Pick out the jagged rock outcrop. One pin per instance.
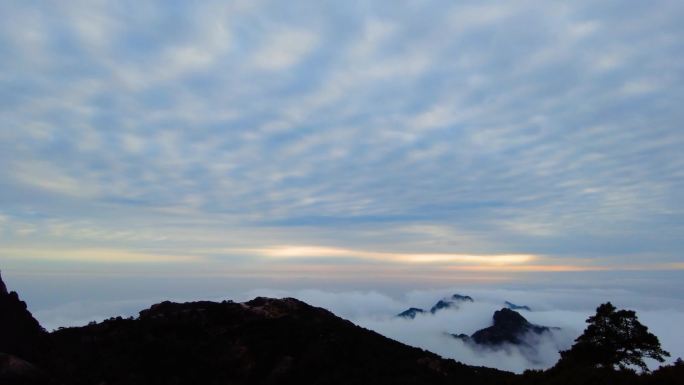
(451, 302)
(508, 327)
(411, 313)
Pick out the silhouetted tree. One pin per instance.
(615, 338)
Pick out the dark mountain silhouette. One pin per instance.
(463, 337)
(444, 303)
(21, 339)
(508, 327)
(263, 341)
(513, 306)
(411, 313)
(20, 334)
(451, 302)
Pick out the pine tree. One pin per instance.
(615, 339)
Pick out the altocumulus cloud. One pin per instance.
(512, 128)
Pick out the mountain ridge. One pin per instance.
(261, 341)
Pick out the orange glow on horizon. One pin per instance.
(303, 252)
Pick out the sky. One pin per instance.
(178, 149)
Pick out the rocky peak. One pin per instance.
(411, 313)
(508, 319)
(509, 327)
(462, 298)
(513, 306)
(450, 302)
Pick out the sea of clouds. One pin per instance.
(566, 309)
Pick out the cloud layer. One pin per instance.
(412, 127)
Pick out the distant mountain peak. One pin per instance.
(462, 298)
(509, 319)
(450, 302)
(513, 306)
(411, 313)
(509, 327)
